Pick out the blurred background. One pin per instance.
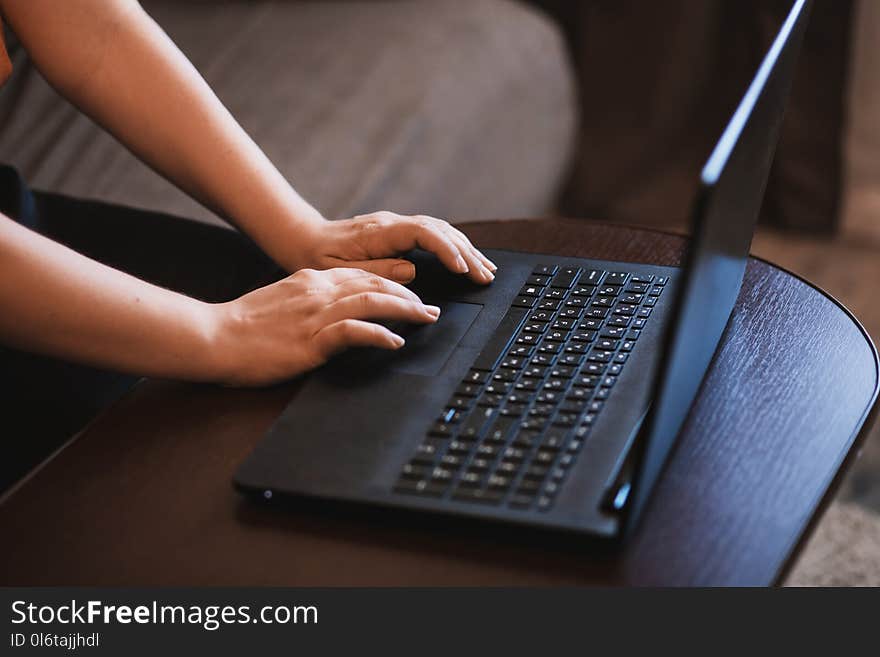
(475, 109)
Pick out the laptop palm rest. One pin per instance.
(345, 435)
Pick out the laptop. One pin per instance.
(553, 398)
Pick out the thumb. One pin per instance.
(395, 269)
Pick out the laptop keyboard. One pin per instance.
(516, 423)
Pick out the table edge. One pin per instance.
(860, 431)
(818, 505)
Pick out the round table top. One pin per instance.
(143, 495)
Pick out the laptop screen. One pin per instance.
(724, 218)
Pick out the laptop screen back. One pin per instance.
(724, 218)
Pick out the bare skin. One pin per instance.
(111, 60)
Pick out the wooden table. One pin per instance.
(143, 496)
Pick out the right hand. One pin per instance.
(294, 325)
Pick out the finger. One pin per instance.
(477, 271)
(396, 269)
(491, 266)
(478, 266)
(409, 233)
(376, 305)
(346, 333)
(373, 283)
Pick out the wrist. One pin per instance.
(300, 245)
(213, 357)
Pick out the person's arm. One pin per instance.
(58, 302)
(112, 60)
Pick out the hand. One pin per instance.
(296, 324)
(371, 241)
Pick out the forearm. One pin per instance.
(58, 302)
(110, 59)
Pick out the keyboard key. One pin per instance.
(414, 471)
(542, 359)
(497, 387)
(590, 324)
(478, 495)
(479, 466)
(524, 302)
(525, 439)
(544, 270)
(531, 291)
(477, 377)
(441, 475)
(639, 288)
(642, 278)
(499, 482)
(541, 316)
(425, 454)
(490, 400)
(616, 278)
(548, 304)
(468, 390)
(498, 432)
(508, 468)
(526, 384)
(441, 430)
(512, 410)
(565, 278)
(520, 501)
(420, 488)
(591, 277)
(458, 447)
(538, 279)
(609, 290)
(536, 472)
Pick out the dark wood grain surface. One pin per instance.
(143, 496)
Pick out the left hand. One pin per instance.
(371, 242)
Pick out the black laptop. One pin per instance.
(553, 397)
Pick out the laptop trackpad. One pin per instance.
(428, 347)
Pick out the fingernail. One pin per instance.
(404, 272)
(433, 310)
(493, 266)
(461, 265)
(398, 341)
(488, 275)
